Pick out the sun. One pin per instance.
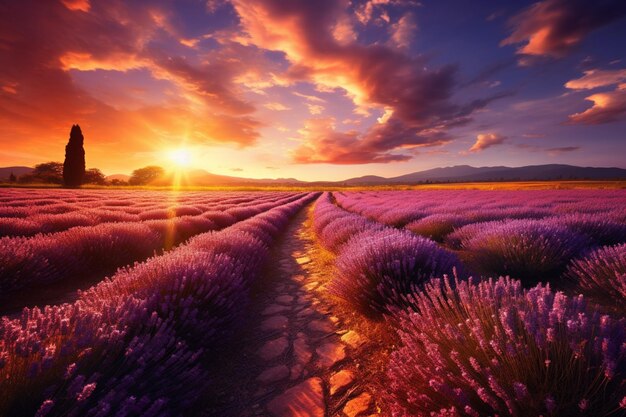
(180, 157)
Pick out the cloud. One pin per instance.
(597, 78)
(374, 76)
(607, 107)
(403, 31)
(77, 5)
(315, 108)
(487, 140)
(199, 99)
(533, 135)
(309, 97)
(484, 77)
(553, 27)
(322, 143)
(563, 149)
(276, 106)
(550, 151)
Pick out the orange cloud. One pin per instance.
(607, 107)
(84, 61)
(597, 78)
(276, 106)
(321, 143)
(487, 140)
(77, 5)
(553, 27)
(373, 76)
(199, 101)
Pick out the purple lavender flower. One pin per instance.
(487, 343)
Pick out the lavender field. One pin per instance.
(391, 303)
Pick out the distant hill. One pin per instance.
(5, 172)
(466, 173)
(200, 177)
(458, 173)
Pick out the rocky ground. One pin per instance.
(300, 358)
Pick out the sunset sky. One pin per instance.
(314, 89)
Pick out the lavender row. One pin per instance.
(142, 342)
(62, 216)
(401, 207)
(600, 213)
(492, 347)
(521, 237)
(49, 199)
(377, 266)
(44, 259)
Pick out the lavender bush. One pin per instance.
(530, 250)
(601, 275)
(375, 270)
(601, 230)
(492, 348)
(437, 226)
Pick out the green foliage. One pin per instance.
(145, 175)
(94, 176)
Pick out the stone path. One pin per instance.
(299, 357)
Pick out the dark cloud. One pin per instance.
(488, 72)
(416, 98)
(563, 149)
(553, 27)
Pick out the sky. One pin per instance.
(314, 89)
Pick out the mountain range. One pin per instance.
(457, 173)
(466, 173)
(5, 172)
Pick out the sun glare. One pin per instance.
(181, 157)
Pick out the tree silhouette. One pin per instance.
(143, 176)
(74, 165)
(12, 177)
(46, 173)
(94, 176)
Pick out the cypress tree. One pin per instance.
(74, 165)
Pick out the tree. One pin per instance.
(94, 176)
(49, 172)
(143, 176)
(117, 181)
(12, 177)
(74, 165)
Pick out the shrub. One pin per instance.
(601, 275)
(493, 348)
(530, 250)
(436, 226)
(460, 237)
(375, 270)
(337, 232)
(601, 229)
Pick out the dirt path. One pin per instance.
(299, 359)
